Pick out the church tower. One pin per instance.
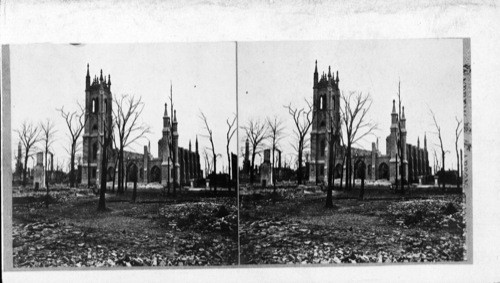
(165, 145)
(397, 166)
(326, 113)
(98, 112)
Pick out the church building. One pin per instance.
(172, 159)
(326, 118)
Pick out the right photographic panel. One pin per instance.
(354, 151)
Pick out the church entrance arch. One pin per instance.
(132, 172)
(338, 171)
(155, 174)
(110, 174)
(359, 169)
(383, 171)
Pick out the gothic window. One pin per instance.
(322, 102)
(95, 105)
(94, 172)
(322, 148)
(94, 151)
(94, 128)
(105, 105)
(322, 124)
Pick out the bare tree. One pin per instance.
(47, 137)
(229, 135)
(75, 121)
(458, 132)
(333, 140)
(29, 135)
(438, 129)
(256, 132)
(126, 114)
(276, 129)
(209, 136)
(208, 163)
(302, 120)
(354, 110)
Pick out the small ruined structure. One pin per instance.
(266, 174)
(39, 172)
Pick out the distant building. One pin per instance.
(18, 171)
(98, 108)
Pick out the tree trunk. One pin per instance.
(72, 164)
(45, 171)
(442, 169)
(102, 193)
(121, 168)
(252, 173)
(458, 169)
(229, 166)
(114, 175)
(134, 193)
(25, 169)
(329, 194)
(362, 189)
(215, 173)
(299, 173)
(273, 180)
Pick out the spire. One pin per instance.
(87, 78)
(315, 77)
(196, 144)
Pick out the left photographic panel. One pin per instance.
(122, 155)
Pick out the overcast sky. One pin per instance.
(46, 76)
(273, 74)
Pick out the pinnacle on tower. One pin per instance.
(337, 79)
(425, 140)
(316, 67)
(418, 142)
(165, 114)
(87, 78)
(329, 73)
(109, 79)
(196, 144)
(189, 145)
(394, 106)
(403, 116)
(175, 116)
(101, 79)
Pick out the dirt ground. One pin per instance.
(157, 230)
(298, 229)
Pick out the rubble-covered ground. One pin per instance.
(297, 229)
(155, 231)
